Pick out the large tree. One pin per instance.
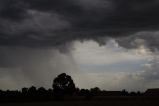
(63, 84)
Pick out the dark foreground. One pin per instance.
(124, 101)
(86, 103)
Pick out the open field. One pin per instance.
(89, 103)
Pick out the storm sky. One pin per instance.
(112, 44)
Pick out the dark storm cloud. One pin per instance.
(55, 22)
(114, 14)
(147, 39)
(12, 10)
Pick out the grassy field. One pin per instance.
(88, 103)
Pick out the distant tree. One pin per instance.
(77, 91)
(124, 92)
(42, 93)
(95, 91)
(41, 90)
(32, 91)
(86, 93)
(139, 93)
(133, 93)
(63, 84)
(24, 92)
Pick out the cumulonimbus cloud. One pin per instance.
(39, 23)
(29, 27)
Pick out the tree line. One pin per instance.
(63, 87)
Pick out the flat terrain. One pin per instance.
(88, 103)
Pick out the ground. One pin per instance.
(89, 103)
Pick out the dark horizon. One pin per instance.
(64, 89)
(77, 87)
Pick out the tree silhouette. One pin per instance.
(24, 91)
(63, 84)
(95, 91)
(32, 92)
